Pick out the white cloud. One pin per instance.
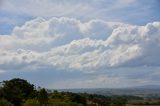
(56, 32)
(69, 44)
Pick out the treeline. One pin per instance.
(19, 92)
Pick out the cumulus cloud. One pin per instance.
(69, 44)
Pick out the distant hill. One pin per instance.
(148, 87)
(141, 91)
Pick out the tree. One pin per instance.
(43, 97)
(119, 101)
(79, 99)
(1, 93)
(17, 90)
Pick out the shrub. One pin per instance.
(4, 102)
(31, 102)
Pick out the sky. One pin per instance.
(80, 43)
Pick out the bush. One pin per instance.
(17, 90)
(32, 102)
(4, 102)
(43, 97)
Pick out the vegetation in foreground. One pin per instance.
(19, 92)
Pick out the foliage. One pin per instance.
(119, 101)
(17, 90)
(79, 99)
(20, 92)
(31, 102)
(42, 96)
(99, 99)
(4, 102)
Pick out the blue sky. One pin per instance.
(17, 12)
(80, 43)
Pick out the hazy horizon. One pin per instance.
(80, 44)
